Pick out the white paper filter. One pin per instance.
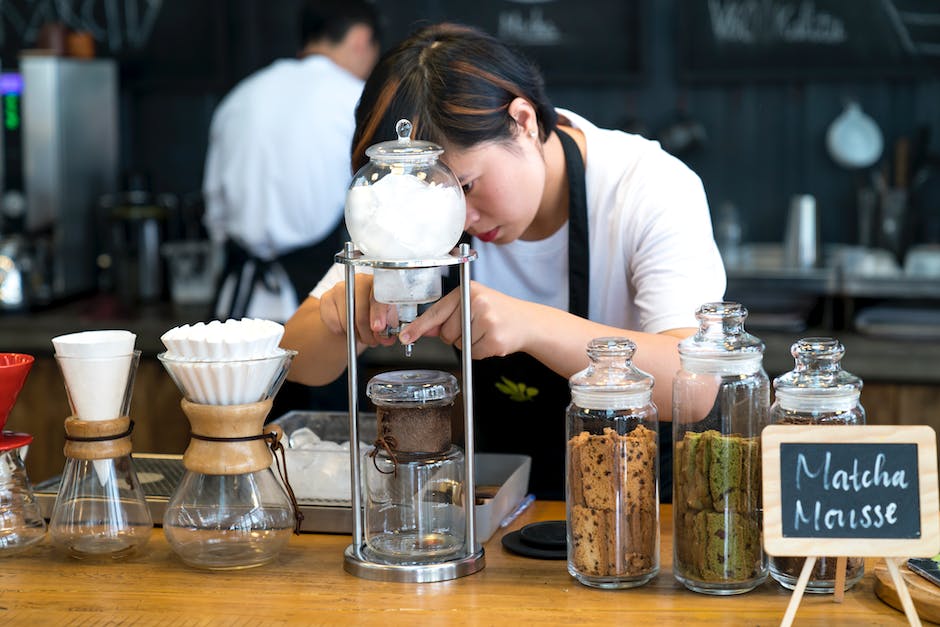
(96, 385)
(226, 382)
(96, 366)
(248, 338)
(94, 344)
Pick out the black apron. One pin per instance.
(508, 417)
(304, 267)
(519, 404)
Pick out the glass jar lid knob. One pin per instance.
(403, 130)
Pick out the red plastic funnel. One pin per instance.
(13, 370)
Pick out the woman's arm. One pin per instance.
(502, 325)
(317, 331)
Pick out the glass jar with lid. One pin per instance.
(817, 392)
(721, 398)
(612, 470)
(405, 205)
(415, 505)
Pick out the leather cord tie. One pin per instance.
(101, 438)
(274, 442)
(389, 444)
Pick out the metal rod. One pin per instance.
(466, 364)
(352, 379)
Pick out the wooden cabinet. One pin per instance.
(902, 404)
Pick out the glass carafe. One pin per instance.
(817, 392)
(720, 404)
(414, 510)
(100, 510)
(229, 511)
(612, 470)
(21, 522)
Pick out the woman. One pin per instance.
(581, 233)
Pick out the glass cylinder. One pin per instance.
(817, 392)
(229, 511)
(720, 404)
(612, 470)
(415, 500)
(100, 510)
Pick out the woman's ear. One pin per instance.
(523, 114)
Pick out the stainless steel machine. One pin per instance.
(59, 152)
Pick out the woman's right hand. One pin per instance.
(372, 317)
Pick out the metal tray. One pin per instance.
(505, 476)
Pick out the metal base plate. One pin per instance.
(412, 573)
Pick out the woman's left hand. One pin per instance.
(499, 324)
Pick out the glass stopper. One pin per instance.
(403, 130)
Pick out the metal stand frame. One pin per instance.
(355, 562)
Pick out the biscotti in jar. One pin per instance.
(720, 404)
(612, 470)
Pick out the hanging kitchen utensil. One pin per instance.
(854, 139)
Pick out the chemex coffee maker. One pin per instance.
(58, 154)
(413, 494)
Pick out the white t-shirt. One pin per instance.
(278, 168)
(653, 258)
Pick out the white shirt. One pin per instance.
(653, 258)
(278, 168)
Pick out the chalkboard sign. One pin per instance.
(854, 491)
(572, 41)
(865, 490)
(800, 39)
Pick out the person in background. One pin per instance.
(277, 169)
(581, 232)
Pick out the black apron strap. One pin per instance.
(237, 259)
(579, 253)
(307, 265)
(304, 266)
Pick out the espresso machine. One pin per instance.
(58, 154)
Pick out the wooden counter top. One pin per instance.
(307, 585)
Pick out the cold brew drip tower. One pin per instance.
(405, 212)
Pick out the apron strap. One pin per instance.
(579, 256)
(247, 272)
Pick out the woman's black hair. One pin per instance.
(455, 84)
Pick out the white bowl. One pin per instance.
(95, 344)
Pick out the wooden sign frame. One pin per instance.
(924, 437)
(775, 543)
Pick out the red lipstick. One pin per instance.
(489, 236)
